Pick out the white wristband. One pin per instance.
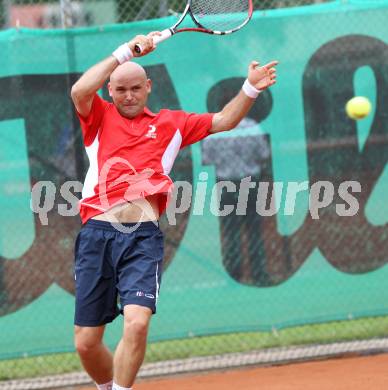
(123, 53)
(250, 90)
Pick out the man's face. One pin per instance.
(130, 94)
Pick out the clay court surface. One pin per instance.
(357, 373)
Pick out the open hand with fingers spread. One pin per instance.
(262, 77)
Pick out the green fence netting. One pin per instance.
(56, 13)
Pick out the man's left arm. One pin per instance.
(259, 79)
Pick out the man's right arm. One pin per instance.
(91, 81)
(83, 91)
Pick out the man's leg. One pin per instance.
(95, 356)
(131, 349)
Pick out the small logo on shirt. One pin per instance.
(151, 132)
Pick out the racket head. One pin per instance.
(211, 17)
(220, 16)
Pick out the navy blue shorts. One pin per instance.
(110, 264)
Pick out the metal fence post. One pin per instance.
(66, 13)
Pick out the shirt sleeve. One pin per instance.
(91, 124)
(196, 127)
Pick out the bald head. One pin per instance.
(129, 88)
(128, 71)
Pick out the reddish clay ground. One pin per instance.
(357, 373)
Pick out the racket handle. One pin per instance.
(157, 38)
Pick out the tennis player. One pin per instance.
(119, 250)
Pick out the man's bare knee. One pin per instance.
(87, 339)
(136, 321)
(135, 327)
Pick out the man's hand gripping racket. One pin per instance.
(218, 17)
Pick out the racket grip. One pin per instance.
(165, 34)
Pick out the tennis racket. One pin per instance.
(218, 17)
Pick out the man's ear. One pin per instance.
(110, 89)
(149, 85)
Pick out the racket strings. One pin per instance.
(220, 15)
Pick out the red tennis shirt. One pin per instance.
(132, 158)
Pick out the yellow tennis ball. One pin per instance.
(358, 107)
